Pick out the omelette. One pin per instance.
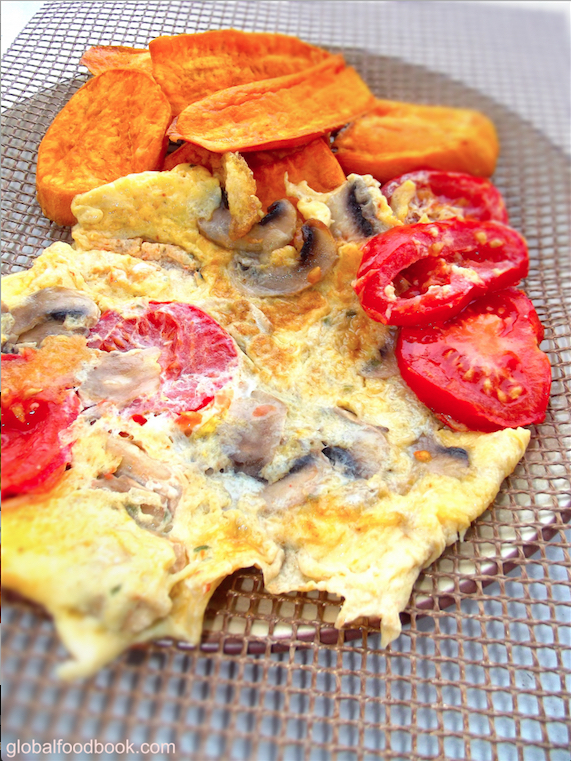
(288, 441)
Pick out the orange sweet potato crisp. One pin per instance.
(190, 67)
(282, 112)
(314, 162)
(103, 57)
(188, 153)
(114, 125)
(394, 138)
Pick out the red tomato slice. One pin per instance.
(484, 368)
(197, 356)
(427, 273)
(443, 195)
(33, 458)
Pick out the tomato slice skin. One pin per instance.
(33, 458)
(427, 273)
(453, 193)
(484, 368)
(197, 356)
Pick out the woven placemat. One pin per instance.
(479, 671)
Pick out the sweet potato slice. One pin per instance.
(114, 125)
(188, 153)
(190, 67)
(104, 57)
(283, 112)
(313, 162)
(394, 138)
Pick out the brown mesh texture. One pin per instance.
(483, 667)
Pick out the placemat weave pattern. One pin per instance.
(483, 667)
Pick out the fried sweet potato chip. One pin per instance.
(104, 57)
(283, 112)
(190, 67)
(114, 125)
(313, 162)
(188, 153)
(394, 138)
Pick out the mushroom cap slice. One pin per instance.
(252, 431)
(62, 310)
(136, 470)
(353, 211)
(304, 477)
(273, 231)
(317, 256)
(446, 461)
(361, 450)
(120, 377)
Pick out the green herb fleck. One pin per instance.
(202, 547)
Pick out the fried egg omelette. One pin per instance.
(311, 459)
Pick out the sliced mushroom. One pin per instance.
(252, 431)
(446, 461)
(303, 478)
(385, 365)
(121, 377)
(52, 311)
(138, 471)
(273, 231)
(314, 260)
(361, 450)
(341, 458)
(353, 211)
(145, 470)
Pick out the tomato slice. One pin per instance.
(484, 368)
(197, 356)
(426, 273)
(33, 458)
(443, 195)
